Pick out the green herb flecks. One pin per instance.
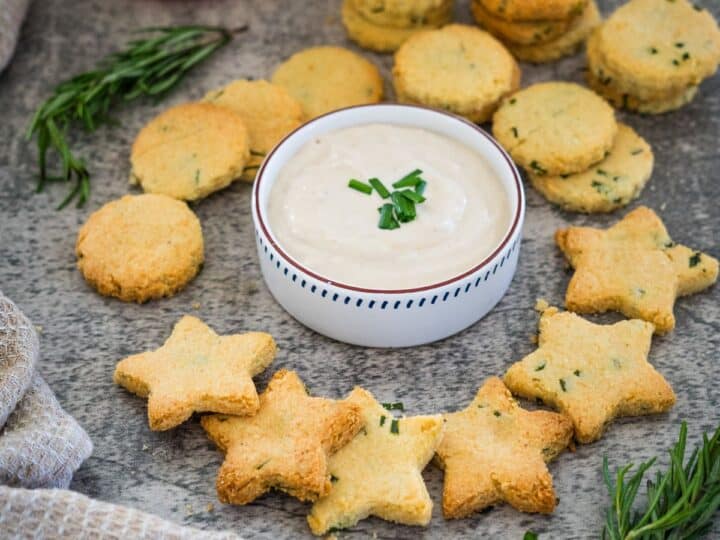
(530, 535)
(362, 187)
(540, 366)
(394, 426)
(395, 406)
(576, 372)
(382, 420)
(563, 385)
(420, 187)
(333, 478)
(694, 259)
(514, 131)
(681, 501)
(497, 413)
(636, 152)
(537, 168)
(150, 66)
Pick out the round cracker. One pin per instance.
(655, 49)
(325, 79)
(606, 186)
(190, 151)
(458, 68)
(268, 110)
(605, 82)
(140, 247)
(404, 13)
(534, 10)
(565, 45)
(372, 36)
(519, 32)
(555, 127)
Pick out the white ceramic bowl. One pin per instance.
(388, 318)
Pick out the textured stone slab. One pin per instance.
(172, 474)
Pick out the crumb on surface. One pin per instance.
(196, 305)
(541, 305)
(210, 507)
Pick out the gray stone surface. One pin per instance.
(172, 474)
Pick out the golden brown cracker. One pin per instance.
(494, 451)
(633, 267)
(285, 446)
(140, 247)
(197, 371)
(378, 473)
(326, 78)
(592, 373)
(189, 151)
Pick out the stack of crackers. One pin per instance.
(651, 55)
(538, 31)
(384, 25)
(574, 151)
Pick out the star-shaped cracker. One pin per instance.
(590, 372)
(379, 472)
(495, 451)
(286, 445)
(633, 267)
(197, 371)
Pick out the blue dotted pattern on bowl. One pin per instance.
(290, 273)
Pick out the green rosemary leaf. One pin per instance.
(680, 502)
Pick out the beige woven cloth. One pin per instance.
(41, 446)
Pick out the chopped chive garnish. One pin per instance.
(397, 406)
(404, 208)
(409, 180)
(362, 187)
(333, 478)
(562, 385)
(496, 413)
(387, 219)
(382, 420)
(412, 195)
(394, 426)
(379, 187)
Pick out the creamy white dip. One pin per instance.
(333, 230)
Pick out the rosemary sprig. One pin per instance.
(680, 502)
(147, 67)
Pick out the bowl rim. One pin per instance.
(258, 214)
